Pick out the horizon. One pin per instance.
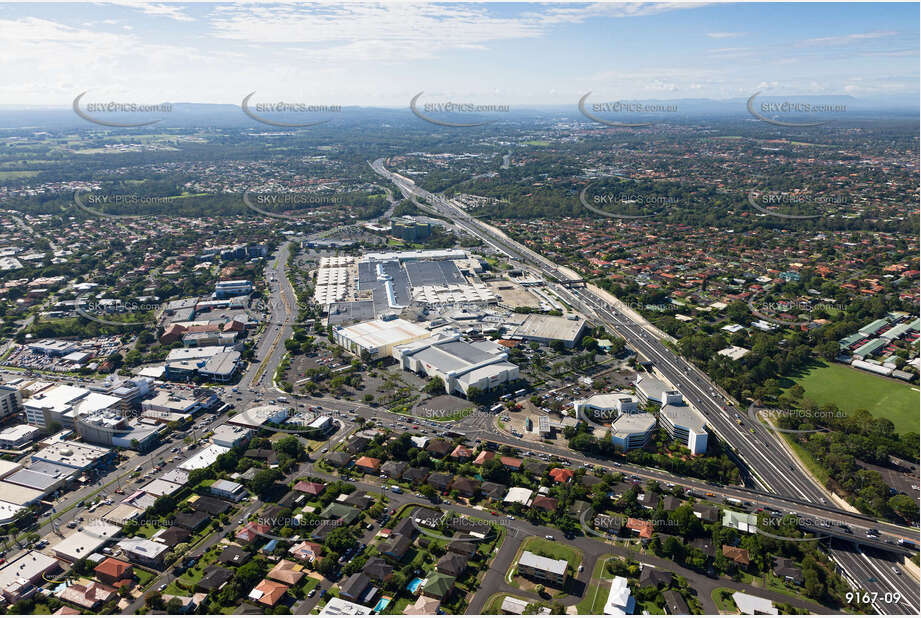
(372, 55)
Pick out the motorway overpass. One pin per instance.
(770, 464)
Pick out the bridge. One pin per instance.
(573, 283)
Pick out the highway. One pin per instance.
(764, 461)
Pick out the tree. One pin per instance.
(264, 480)
(905, 506)
(435, 386)
(174, 606)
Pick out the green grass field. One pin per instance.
(852, 389)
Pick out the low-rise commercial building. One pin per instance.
(649, 388)
(460, 365)
(75, 455)
(20, 578)
(229, 436)
(237, 287)
(18, 436)
(549, 328)
(632, 431)
(229, 490)
(686, 425)
(10, 401)
(377, 338)
(605, 406)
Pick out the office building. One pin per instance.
(112, 428)
(10, 401)
(229, 490)
(230, 436)
(649, 388)
(74, 455)
(410, 229)
(62, 404)
(606, 406)
(632, 431)
(18, 436)
(686, 425)
(227, 289)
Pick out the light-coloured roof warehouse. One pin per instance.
(383, 333)
(549, 328)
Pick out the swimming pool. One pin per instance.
(414, 584)
(382, 604)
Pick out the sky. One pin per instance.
(382, 54)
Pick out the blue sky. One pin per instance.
(513, 53)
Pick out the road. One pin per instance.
(763, 460)
(592, 549)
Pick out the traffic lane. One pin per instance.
(814, 512)
(865, 576)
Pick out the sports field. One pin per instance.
(851, 389)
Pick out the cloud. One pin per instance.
(171, 11)
(725, 35)
(847, 39)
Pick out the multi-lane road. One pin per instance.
(764, 460)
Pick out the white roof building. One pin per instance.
(258, 416)
(230, 435)
(26, 570)
(521, 495)
(378, 337)
(63, 403)
(461, 365)
(203, 458)
(85, 542)
(620, 602)
(750, 605)
(605, 405)
(18, 435)
(632, 431)
(68, 453)
(10, 512)
(685, 424)
(341, 607)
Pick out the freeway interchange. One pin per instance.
(765, 460)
